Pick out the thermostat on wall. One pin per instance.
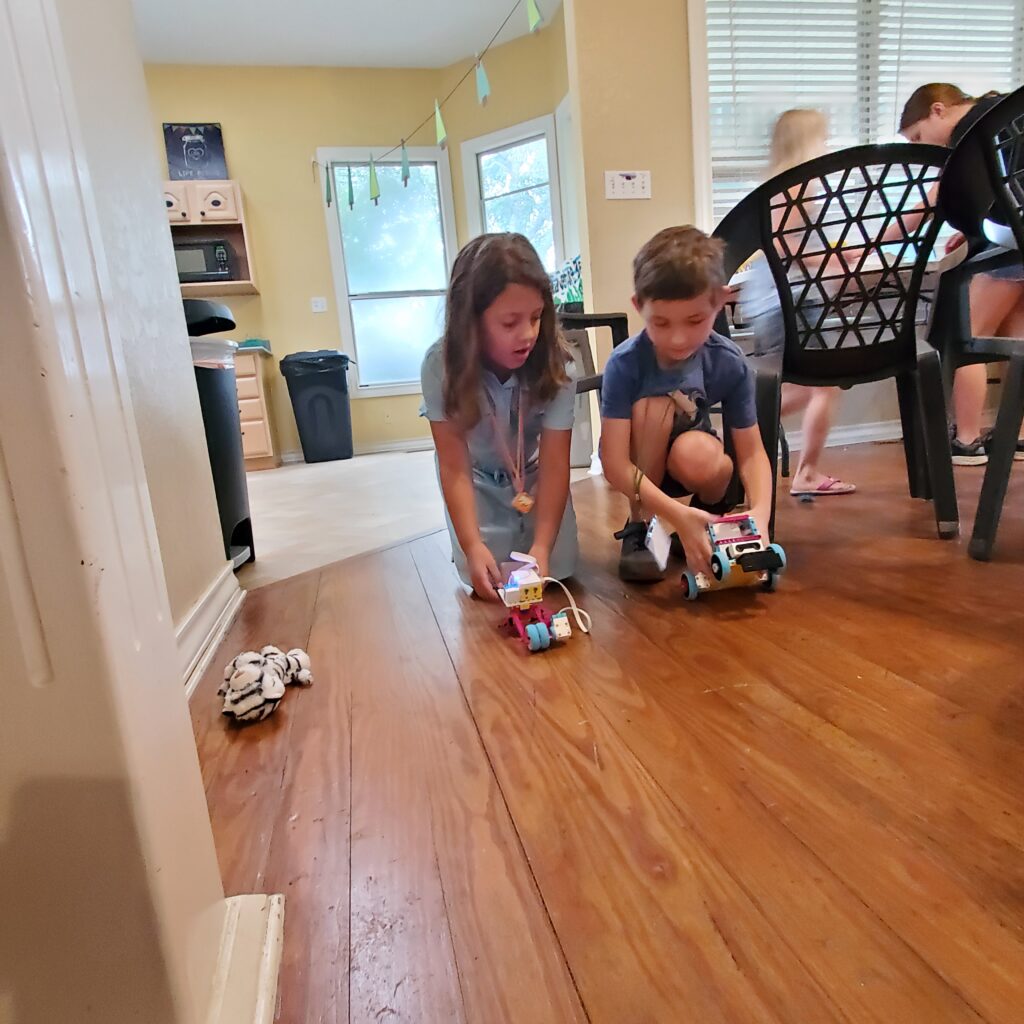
(627, 184)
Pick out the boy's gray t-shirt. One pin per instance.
(717, 373)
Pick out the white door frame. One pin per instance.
(471, 148)
(95, 714)
(325, 156)
(700, 107)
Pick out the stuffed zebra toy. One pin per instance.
(254, 684)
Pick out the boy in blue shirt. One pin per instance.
(657, 441)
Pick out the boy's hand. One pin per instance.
(692, 526)
(542, 557)
(762, 517)
(483, 571)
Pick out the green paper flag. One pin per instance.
(327, 185)
(374, 187)
(533, 15)
(351, 190)
(405, 165)
(442, 132)
(483, 86)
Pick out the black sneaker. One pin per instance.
(636, 563)
(973, 454)
(1018, 452)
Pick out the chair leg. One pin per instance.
(784, 451)
(906, 390)
(768, 394)
(937, 456)
(1000, 461)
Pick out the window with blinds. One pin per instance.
(857, 60)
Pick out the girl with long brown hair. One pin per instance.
(500, 401)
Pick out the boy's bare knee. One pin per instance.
(698, 461)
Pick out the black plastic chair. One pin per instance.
(984, 179)
(849, 310)
(575, 326)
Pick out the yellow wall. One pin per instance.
(529, 77)
(275, 118)
(630, 83)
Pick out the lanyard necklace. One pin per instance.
(523, 501)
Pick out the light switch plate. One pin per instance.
(318, 305)
(627, 184)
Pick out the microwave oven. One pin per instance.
(211, 260)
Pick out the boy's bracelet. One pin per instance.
(638, 476)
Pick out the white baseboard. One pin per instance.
(855, 433)
(245, 982)
(412, 444)
(199, 633)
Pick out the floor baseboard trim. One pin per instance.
(412, 444)
(202, 629)
(854, 433)
(245, 981)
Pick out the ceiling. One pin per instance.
(343, 33)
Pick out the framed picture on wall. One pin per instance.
(195, 152)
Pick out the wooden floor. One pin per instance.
(801, 807)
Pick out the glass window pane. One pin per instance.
(515, 167)
(397, 245)
(393, 334)
(529, 213)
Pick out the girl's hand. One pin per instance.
(692, 526)
(483, 571)
(542, 556)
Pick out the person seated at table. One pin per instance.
(940, 114)
(798, 136)
(657, 441)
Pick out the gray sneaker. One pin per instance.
(972, 454)
(636, 563)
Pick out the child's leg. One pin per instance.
(969, 386)
(993, 302)
(649, 435)
(698, 461)
(650, 431)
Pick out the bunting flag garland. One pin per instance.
(483, 86)
(374, 187)
(483, 91)
(439, 128)
(533, 15)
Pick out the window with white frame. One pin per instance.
(511, 180)
(857, 60)
(391, 261)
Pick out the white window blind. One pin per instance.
(857, 60)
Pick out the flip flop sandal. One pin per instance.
(829, 486)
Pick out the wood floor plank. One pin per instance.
(860, 963)
(959, 833)
(757, 808)
(308, 858)
(243, 766)
(649, 920)
(447, 923)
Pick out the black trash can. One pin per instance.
(318, 387)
